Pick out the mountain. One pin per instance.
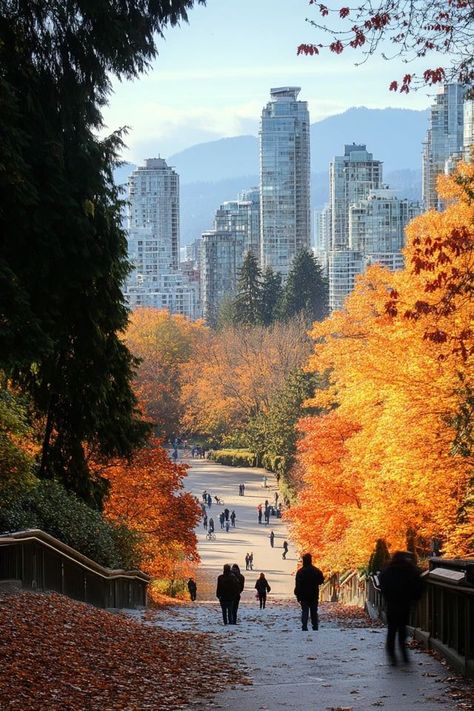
(215, 171)
(392, 135)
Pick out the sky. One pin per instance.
(213, 76)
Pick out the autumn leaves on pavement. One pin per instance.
(62, 655)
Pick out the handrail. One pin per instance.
(68, 552)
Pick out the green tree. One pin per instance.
(306, 289)
(248, 300)
(63, 254)
(271, 296)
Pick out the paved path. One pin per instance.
(248, 536)
(339, 668)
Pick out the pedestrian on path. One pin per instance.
(272, 539)
(260, 513)
(227, 590)
(192, 588)
(262, 587)
(251, 561)
(240, 490)
(204, 521)
(211, 525)
(401, 586)
(276, 498)
(236, 571)
(232, 518)
(209, 501)
(285, 550)
(247, 562)
(227, 526)
(243, 489)
(307, 582)
(226, 513)
(221, 519)
(264, 482)
(267, 515)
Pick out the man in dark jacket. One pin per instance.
(192, 588)
(241, 580)
(401, 586)
(227, 591)
(307, 582)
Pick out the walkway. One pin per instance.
(339, 668)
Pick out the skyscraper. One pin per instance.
(154, 207)
(367, 221)
(444, 139)
(351, 178)
(285, 220)
(222, 255)
(153, 242)
(242, 216)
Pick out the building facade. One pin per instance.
(285, 218)
(222, 255)
(444, 140)
(242, 216)
(153, 242)
(351, 178)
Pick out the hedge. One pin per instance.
(233, 457)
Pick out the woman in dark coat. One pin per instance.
(262, 587)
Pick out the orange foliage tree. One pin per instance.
(147, 495)
(385, 463)
(163, 342)
(235, 373)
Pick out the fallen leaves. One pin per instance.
(63, 655)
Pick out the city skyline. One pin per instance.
(203, 86)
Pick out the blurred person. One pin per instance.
(192, 589)
(227, 591)
(262, 587)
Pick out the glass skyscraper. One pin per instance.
(285, 219)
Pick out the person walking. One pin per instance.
(204, 521)
(209, 501)
(227, 590)
(240, 490)
(211, 525)
(227, 526)
(192, 589)
(401, 585)
(247, 562)
(276, 498)
(226, 513)
(260, 514)
(221, 519)
(241, 579)
(307, 582)
(272, 539)
(251, 561)
(243, 489)
(285, 550)
(262, 587)
(232, 518)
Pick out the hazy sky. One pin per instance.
(213, 76)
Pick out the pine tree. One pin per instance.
(271, 296)
(63, 256)
(306, 289)
(248, 301)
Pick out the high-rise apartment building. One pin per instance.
(367, 221)
(242, 216)
(222, 255)
(468, 133)
(351, 178)
(153, 242)
(444, 140)
(154, 206)
(285, 219)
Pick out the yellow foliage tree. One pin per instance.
(399, 357)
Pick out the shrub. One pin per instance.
(233, 457)
(51, 508)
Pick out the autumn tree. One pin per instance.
(399, 390)
(63, 255)
(147, 495)
(162, 342)
(234, 375)
(409, 30)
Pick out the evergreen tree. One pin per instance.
(63, 254)
(306, 289)
(248, 301)
(271, 296)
